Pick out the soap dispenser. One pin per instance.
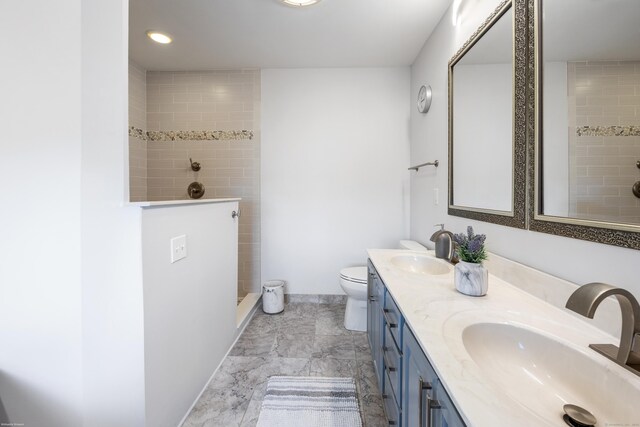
(444, 243)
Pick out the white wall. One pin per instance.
(70, 281)
(575, 260)
(335, 152)
(40, 286)
(112, 318)
(189, 306)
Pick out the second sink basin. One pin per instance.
(543, 374)
(421, 264)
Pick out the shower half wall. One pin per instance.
(212, 117)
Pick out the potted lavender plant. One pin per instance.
(470, 276)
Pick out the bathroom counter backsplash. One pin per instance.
(552, 290)
(433, 309)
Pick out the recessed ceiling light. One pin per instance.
(299, 3)
(159, 37)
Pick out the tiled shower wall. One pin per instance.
(137, 146)
(604, 140)
(225, 104)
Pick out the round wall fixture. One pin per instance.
(424, 98)
(299, 3)
(195, 190)
(636, 189)
(159, 37)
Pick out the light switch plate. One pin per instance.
(436, 196)
(178, 248)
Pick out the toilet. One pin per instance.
(353, 281)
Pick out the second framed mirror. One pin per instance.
(585, 133)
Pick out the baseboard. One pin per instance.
(316, 299)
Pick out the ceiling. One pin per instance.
(228, 34)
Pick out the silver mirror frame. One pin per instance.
(518, 215)
(610, 233)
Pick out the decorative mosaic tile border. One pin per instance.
(137, 133)
(608, 131)
(190, 135)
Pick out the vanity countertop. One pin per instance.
(170, 203)
(437, 314)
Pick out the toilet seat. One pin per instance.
(354, 274)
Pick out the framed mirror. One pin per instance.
(585, 133)
(487, 120)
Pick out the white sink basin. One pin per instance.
(421, 264)
(543, 374)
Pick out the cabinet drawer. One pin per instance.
(390, 405)
(392, 364)
(393, 318)
(376, 288)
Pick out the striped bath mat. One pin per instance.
(310, 402)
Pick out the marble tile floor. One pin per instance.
(307, 339)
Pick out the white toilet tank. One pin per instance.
(412, 245)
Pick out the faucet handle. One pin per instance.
(586, 299)
(439, 225)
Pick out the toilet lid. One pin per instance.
(354, 274)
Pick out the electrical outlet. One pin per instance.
(436, 196)
(178, 248)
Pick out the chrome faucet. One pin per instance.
(586, 299)
(444, 243)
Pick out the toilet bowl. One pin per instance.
(353, 281)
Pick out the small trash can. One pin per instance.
(273, 296)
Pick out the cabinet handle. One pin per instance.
(384, 314)
(431, 404)
(422, 386)
(372, 299)
(384, 359)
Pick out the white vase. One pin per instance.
(471, 278)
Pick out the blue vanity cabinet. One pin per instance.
(413, 396)
(425, 401)
(375, 325)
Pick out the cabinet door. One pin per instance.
(446, 415)
(379, 330)
(375, 326)
(418, 382)
(371, 312)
